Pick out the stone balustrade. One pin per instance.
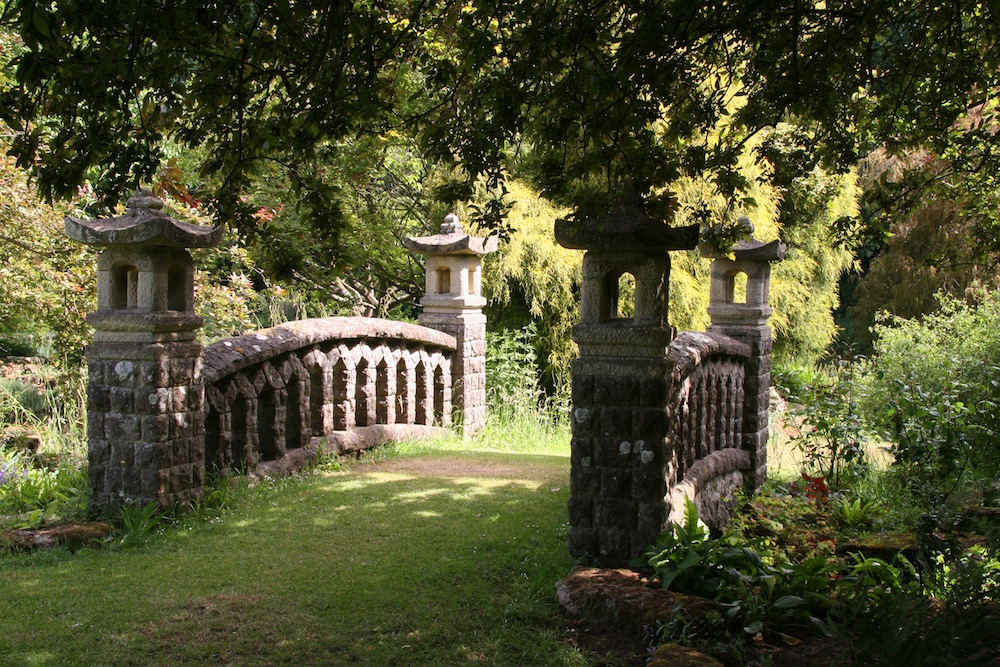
(705, 412)
(164, 413)
(274, 398)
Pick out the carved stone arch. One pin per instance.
(318, 368)
(424, 388)
(271, 394)
(385, 388)
(298, 423)
(217, 435)
(442, 390)
(405, 388)
(364, 390)
(215, 399)
(242, 454)
(342, 393)
(379, 350)
(315, 357)
(290, 366)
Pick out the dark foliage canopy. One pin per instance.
(590, 98)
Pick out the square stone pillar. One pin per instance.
(621, 382)
(145, 392)
(747, 322)
(453, 303)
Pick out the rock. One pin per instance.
(623, 598)
(674, 655)
(19, 439)
(73, 535)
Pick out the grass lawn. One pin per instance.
(427, 558)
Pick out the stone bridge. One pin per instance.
(163, 412)
(657, 417)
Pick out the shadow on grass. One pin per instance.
(445, 560)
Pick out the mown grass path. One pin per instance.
(441, 559)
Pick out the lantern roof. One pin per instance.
(143, 224)
(452, 241)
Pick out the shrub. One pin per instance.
(512, 372)
(832, 437)
(933, 387)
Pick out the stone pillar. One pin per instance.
(145, 394)
(453, 303)
(621, 382)
(747, 322)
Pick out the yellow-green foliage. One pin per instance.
(532, 268)
(804, 285)
(533, 279)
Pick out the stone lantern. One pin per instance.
(621, 381)
(145, 392)
(746, 321)
(453, 303)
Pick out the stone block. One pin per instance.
(95, 426)
(155, 373)
(653, 392)
(615, 512)
(181, 477)
(615, 391)
(649, 484)
(583, 390)
(582, 542)
(581, 451)
(616, 422)
(581, 513)
(615, 545)
(98, 398)
(613, 452)
(649, 423)
(584, 482)
(155, 428)
(125, 428)
(616, 483)
(99, 452)
(122, 400)
(181, 425)
(582, 419)
(651, 518)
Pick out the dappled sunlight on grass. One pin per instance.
(425, 560)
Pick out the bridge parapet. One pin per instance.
(162, 411)
(276, 397)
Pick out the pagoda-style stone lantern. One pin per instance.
(145, 392)
(746, 321)
(453, 303)
(621, 382)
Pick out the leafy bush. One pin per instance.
(933, 387)
(13, 346)
(832, 437)
(512, 371)
(41, 492)
(21, 401)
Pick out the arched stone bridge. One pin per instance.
(657, 417)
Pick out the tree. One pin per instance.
(594, 98)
